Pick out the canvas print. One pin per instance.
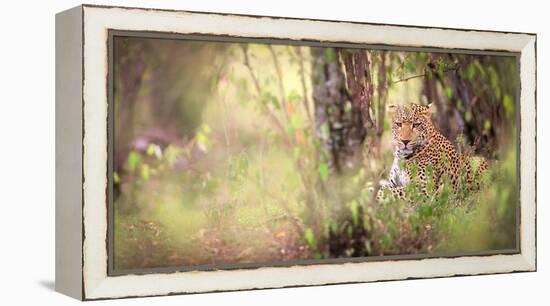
(229, 154)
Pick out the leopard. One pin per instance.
(421, 152)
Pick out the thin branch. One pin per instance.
(382, 93)
(367, 100)
(270, 114)
(303, 81)
(282, 91)
(421, 75)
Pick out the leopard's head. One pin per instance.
(411, 128)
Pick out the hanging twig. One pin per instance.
(422, 75)
(382, 93)
(279, 73)
(303, 81)
(270, 114)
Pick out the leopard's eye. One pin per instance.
(415, 125)
(398, 124)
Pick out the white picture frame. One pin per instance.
(82, 38)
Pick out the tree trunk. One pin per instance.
(342, 104)
(382, 91)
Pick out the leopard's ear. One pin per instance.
(429, 110)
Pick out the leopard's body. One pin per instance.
(422, 148)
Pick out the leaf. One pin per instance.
(295, 121)
(480, 69)
(441, 69)
(410, 67)
(150, 149)
(134, 159)
(145, 171)
(468, 116)
(330, 55)
(154, 150)
(386, 126)
(449, 92)
(116, 177)
(323, 171)
(310, 238)
(354, 208)
(294, 95)
(487, 124)
(296, 153)
(493, 74)
(171, 154)
(508, 105)
(334, 227)
(269, 98)
(243, 165)
(202, 141)
(470, 71)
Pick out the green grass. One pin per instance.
(248, 192)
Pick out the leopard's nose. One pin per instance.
(405, 142)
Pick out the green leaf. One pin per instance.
(470, 71)
(201, 139)
(480, 69)
(276, 103)
(171, 154)
(296, 153)
(134, 159)
(449, 92)
(323, 171)
(295, 121)
(334, 227)
(441, 69)
(354, 208)
(150, 149)
(508, 105)
(145, 171)
(330, 55)
(294, 95)
(310, 238)
(410, 67)
(269, 98)
(154, 150)
(494, 81)
(487, 124)
(243, 165)
(116, 177)
(468, 116)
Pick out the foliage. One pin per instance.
(251, 178)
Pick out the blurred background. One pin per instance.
(241, 153)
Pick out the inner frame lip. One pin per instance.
(110, 241)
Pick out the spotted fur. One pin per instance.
(423, 148)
